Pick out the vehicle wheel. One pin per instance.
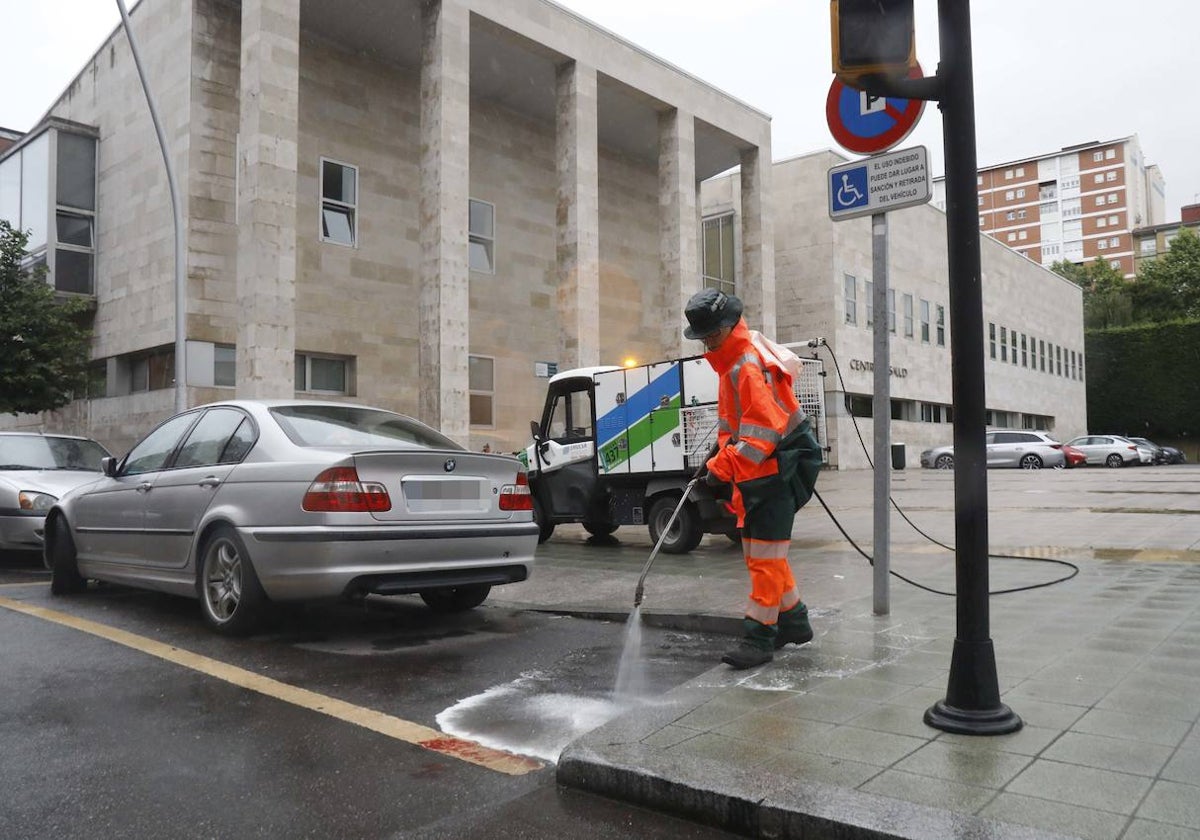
(230, 594)
(545, 529)
(60, 555)
(1030, 461)
(944, 462)
(600, 529)
(685, 533)
(452, 599)
(1114, 460)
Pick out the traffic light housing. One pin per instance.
(872, 37)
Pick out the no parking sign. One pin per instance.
(866, 124)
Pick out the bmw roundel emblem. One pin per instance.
(449, 465)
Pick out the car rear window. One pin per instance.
(338, 425)
(38, 452)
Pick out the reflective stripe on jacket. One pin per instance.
(756, 408)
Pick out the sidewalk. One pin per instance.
(829, 741)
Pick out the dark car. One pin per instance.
(1162, 454)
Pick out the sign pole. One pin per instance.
(881, 410)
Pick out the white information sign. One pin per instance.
(880, 183)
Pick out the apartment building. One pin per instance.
(1077, 204)
(1155, 240)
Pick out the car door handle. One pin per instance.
(210, 481)
(144, 487)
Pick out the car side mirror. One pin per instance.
(108, 465)
(535, 430)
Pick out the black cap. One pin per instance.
(708, 311)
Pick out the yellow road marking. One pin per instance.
(384, 724)
(26, 583)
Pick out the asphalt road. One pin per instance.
(121, 715)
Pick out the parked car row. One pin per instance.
(246, 502)
(1032, 450)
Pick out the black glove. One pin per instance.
(712, 481)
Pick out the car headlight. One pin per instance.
(32, 500)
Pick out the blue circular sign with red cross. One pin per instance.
(867, 124)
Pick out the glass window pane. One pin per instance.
(338, 182)
(76, 185)
(481, 409)
(73, 271)
(162, 370)
(482, 219)
(727, 253)
(35, 191)
(225, 365)
(10, 190)
(328, 375)
(481, 374)
(337, 224)
(480, 254)
(712, 247)
(74, 230)
(153, 450)
(301, 372)
(239, 443)
(207, 440)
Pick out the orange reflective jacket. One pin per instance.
(756, 408)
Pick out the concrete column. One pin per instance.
(266, 260)
(578, 217)
(445, 192)
(679, 247)
(756, 286)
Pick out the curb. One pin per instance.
(719, 625)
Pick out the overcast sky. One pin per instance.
(1048, 73)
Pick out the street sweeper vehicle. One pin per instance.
(619, 446)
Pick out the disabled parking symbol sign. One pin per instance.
(848, 189)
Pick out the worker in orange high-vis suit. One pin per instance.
(767, 452)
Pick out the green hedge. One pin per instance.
(1144, 380)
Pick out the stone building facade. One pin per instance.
(408, 204)
(1033, 318)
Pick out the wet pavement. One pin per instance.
(829, 740)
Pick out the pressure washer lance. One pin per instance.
(641, 584)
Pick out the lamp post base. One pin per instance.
(998, 721)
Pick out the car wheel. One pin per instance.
(944, 462)
(545, 528)
(1029, 461)
(62, 560)
(1114, 460)
(452, 599)
(600, 529)
(230, 594)
(685, 533)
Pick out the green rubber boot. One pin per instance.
(793, 627)
(757, 646)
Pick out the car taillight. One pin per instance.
(1132, 448)
(338, 490)
(1056, 446)
(516, 496)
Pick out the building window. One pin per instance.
(1020, 214)
(1012, 237)
(1114, 220)
(1114, 242)
(224, 365)
(75, 212)
(1024, 351)
(482, 384)
(322, 374)
(1109, 154)
(904, 410)
(941, 325)
(1042, 353)
(1147, 247)
(1102, 244)
(860, 405)
(1008, 195)
(1008, 173)
(1101, 222)
(1023, 235)
(1111, 175)
(931, 413)
(1021, 193)
(1097, 157)
(339, 203)
(719, 269)
(869, 292)
(481, 236)
(992, 339)
(908, 316)
(1004, 344)
(1098, 178)
(925, 321)
(1012, 346)
(1058, 352)
(1099, 201)
(1115, 263)
(1071, 372)
(1020, 171)
(891, 304)
(1010, 216)
(850, 297)
(1112, 198)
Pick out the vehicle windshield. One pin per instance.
(336, 425)
(39, 452)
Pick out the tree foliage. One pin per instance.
(1107, 295)
(1168, 287)
(44, 346)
